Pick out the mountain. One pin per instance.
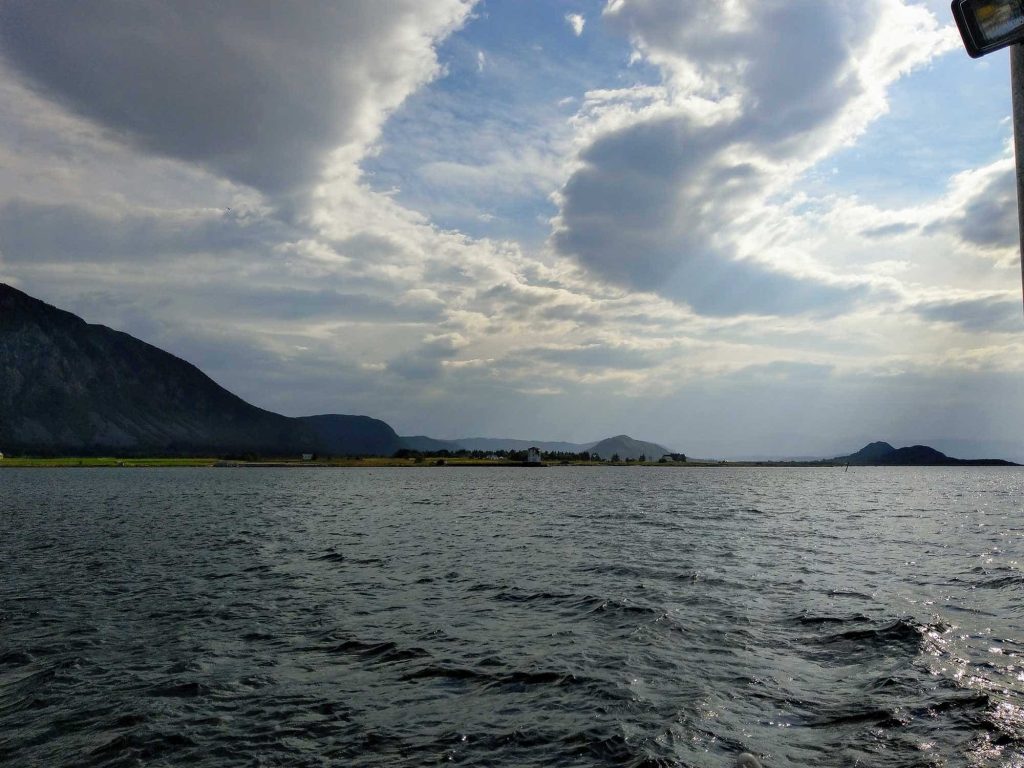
(923, 455)
(68, 387)
(883, 454)
(869, 454)
(338, 434)
(506, 444)
(426, 444)
(966, 448)
(623, 445)
(628, 448)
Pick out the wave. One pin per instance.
(1000, 583)
(902, 631)
(331, 557)
(386, 652)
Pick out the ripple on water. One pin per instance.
(555, 618)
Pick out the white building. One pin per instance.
(533, 456)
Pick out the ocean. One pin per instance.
(561, 616)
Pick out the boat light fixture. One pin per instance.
(988, 25)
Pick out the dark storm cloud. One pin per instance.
(994, 313)
(654, 203)
(257, 90)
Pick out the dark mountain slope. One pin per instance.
(70, 387)
(923, 455)
(883, 454)
(869, 454)
(428, 444)
(509, 444)
(362, 435)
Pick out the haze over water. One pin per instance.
(554, 617)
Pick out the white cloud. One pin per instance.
(965, 238)
(674, 185)
(576, 23)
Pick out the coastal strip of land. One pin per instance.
(370, 463)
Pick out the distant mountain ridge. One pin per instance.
(502, 444)
(622, 445)
(424, 443)
(625, 447)
(869, 454)
(68, 387)
(883, 454)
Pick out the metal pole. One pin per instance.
(1017, 89)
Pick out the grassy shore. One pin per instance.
(106, 462)
(111, 461)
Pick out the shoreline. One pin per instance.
(382, 463)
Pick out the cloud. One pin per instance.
(674, 186)
(988, 217)
(323, 304)
(987, 313)
(576, 23)
(689, 264)
(889, 230)
(259, 92)
(781, 371)
(425, 362)
(38, 232)
(598, 356)
(646, 210)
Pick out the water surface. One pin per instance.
(549, 617)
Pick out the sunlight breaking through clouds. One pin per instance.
(425, 211)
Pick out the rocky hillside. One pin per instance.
(68, 387)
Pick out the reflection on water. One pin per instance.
(558, 617)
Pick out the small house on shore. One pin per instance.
(533, 456)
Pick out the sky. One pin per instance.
(736, 228)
